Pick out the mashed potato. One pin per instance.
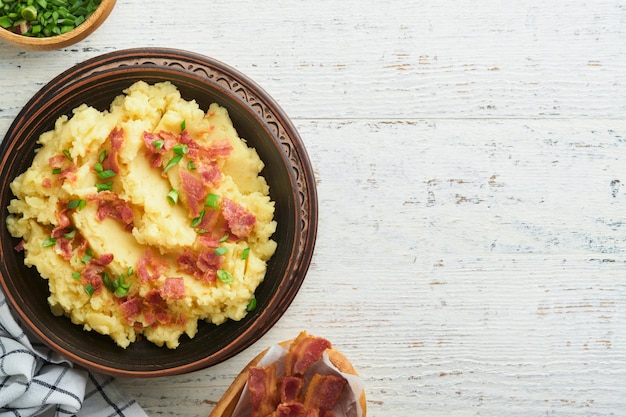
(145, 218)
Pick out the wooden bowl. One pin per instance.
(60, 41)
(225, 407)
(256, 117)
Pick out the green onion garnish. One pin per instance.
(56, 171)
(183, 125)
(251, 304)
(76, 204)
(67, 154)
(70, 235)
(212, 201)
(103, 175)
(102, 157)
(172, 162)
(76, 275)
(224, 238)
(220, 251)
(172, 197)
(49, 242)
(89, 289)
(225, 276)
(181, 149)
(197, 220)
(245, 253)
(104, 186)
(191, 165)
(158, 144)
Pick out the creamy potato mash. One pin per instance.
(145, 218)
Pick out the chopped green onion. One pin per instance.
(29, 13)
(121, 292)
(71, 234)
(225, 276)
(102, 157)
(220, 251)
(104, 186)
(212, 201)
(76, 275)
(183, 125)
(158, 144)
(49, 242)
(245, 253)
(191, 165)
(224, 238)
(172, 162)
(172, 197)
(201, 231)
(88, 256)
(109, 173)
(56, 171)
(79, 204)
(198, 220)
(68, 155)
(251, 304)
(98, 167)
(130, 271)
(181, 149)
(89, 289)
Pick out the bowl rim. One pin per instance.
(307, 205)
(75, 35)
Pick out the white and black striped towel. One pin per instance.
(36, 381)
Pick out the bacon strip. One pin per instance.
(262, 387)
(194, 191)
(111, 205)
(291, 389)
(116, 137)
(324, 391)
(150, 266)
(173, 289)
(303, 352)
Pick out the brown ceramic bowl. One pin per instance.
(256, 116)
(60, 41)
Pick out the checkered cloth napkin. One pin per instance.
(36, 381)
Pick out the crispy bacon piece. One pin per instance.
(116, 137)
(263, 392)
(210, 173)
(291, 389)
(217, 149)
(303, 352)
(155, 153)
(63, 221)
(92, 274)
(150, 266)
(111, 205)
(68, 173)
(203, 265)
(324, 391)
(46, 183)
(173, 289)
(240, 221)
(63, 246)
(131, 308)
(57, 161)
(194, 191)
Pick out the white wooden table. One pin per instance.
(471, 254)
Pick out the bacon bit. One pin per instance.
(131, 308)
(324, 391)
(203, 266)
(63, 221)
(153, 297)
(194, 191)
(150, 267)
(173, 289)
(110, 205)
(293, 410)
(262, 387)
(303, 352)
(210, 173)
(208, 241)
(69, 174)
(116, 137)
(63, 247)
(20, 246)
(46, 183)
(217, 149)
(57, 161)
(240, 221)
(185, 139)
(154, 154)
